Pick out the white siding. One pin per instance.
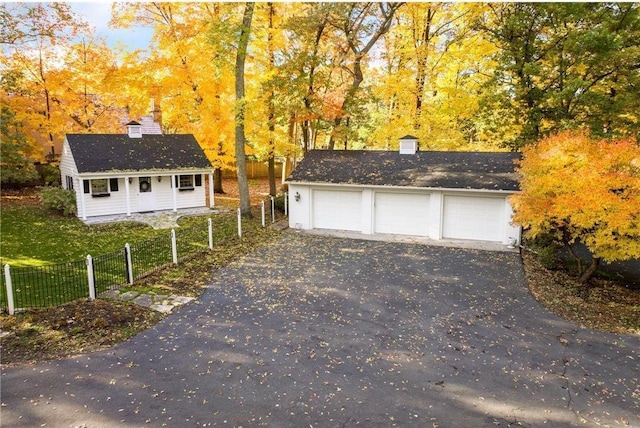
(115, 203)
(161, 195)
(67, 166)
(300, 209)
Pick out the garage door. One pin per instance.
(401, 213)
(472, 217)
(339, 210)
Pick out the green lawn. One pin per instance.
(46, 252)
(32, 236)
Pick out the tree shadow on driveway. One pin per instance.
(323, 332)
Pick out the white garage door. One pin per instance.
(401, 213)
(339, 210)
(473, 217)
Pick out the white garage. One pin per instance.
(339, 210)
(401, 213)
(437, 195)
(473, 217)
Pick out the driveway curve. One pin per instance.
(327, 332)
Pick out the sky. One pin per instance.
(98, 15)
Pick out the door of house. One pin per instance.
(146, 198)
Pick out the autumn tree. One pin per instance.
(33, 38)
(565, 65)
(15, 157)
(303, 79)
(191, 65)
(435, 65)
(581, 189)
(362, 25)
(241, 54)
(89, 91)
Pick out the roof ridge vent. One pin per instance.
(134, 129)
(408, 145)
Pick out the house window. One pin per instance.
(100, 187)
(113, 184)
(69, 182)
(198, 180)
(185, 182)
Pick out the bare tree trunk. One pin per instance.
(589, 271)
(272, 112)
(217, 180)
(241, 161)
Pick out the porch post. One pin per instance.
(211, 200)
(126, 195)
(174, 192)
(80, 192)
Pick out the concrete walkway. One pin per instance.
(156, 219)
(330, 332)
(407, 239)
(164, 303)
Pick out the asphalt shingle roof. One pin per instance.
(450, 170)
(118, 152)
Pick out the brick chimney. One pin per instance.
(156, 113)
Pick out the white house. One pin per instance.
(439, 195)
(135, 172)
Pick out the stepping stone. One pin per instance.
(144, 300)
(181, 300)
(165, 309)
(110, 294)
(129, 295)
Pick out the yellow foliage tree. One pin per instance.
(581, 189)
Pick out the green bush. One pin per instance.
(49, 174)
(59, 200)
(546, 248)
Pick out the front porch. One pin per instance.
(113, 194)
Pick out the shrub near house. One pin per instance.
(59, 200)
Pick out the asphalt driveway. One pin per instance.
(329, 332)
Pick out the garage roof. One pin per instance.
(118, 152)
(450, 170)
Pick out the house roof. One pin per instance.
(118, 152)
(450, 170)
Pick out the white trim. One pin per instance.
(212, 202)
(141, 173)
(401, 188)
(80, 193)
(127, 195)
(174, 192)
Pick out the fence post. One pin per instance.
(210, 233)
(286, 203)
(262, 207)
(273, 209)
(7, 281)
(174, 247)
(127, 254)
(239, 223)
(91, 278)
